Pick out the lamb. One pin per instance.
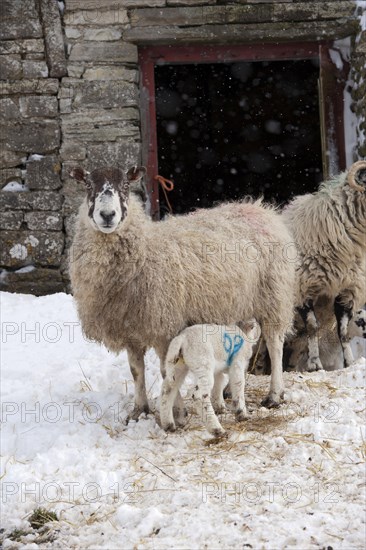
(329, 230)
(138, 283)
(209, 351)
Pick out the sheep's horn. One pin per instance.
(352, 182)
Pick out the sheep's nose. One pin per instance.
(107, 216)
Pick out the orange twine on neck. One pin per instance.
(166, 185)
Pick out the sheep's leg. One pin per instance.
(180, 412)
(174, 378)
(205, 382)
(237, 385)
(262, 365)
(275, 350)
(343, 312)
(137, 366)
(311, 325)
(217, 394)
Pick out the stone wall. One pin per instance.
(70, 95)
(32, 60)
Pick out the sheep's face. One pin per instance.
(107, 194)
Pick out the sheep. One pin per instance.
(209, 351)
(329, 231)
(330, 350)
(138, 283)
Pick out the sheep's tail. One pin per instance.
(175, 350)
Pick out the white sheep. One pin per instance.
(209, 351)
(329, 231)
(330, 349)
(139, 283)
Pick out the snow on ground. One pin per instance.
(290, 478)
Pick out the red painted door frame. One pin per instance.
(331, 93)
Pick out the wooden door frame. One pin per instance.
(331, 86)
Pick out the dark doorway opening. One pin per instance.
(226, 130)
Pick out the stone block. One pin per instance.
(29, 201)
(111, 73)
(10, 67)
(101, 125)
(38, 106)
(97, 52)
(123, 153)
(34, 69)
(22, 28)
(199, 2)
(74, 194)
(88, 5)
(32, 45)
(111, 94)
(115, 15)
(32, 86)
(44, 173)
(73, 32)
(21, 248)
(9, 158)
(53, 37)
(72, 150)
(10, 174)
(103, 34)
(11, 220)
(75, 70)
(253, 32)
(40, 282)
(51, 221)
(248, 13)
(9, 108)
(19, 20)
(33, 137)
(65, 105)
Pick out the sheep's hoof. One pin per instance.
(241, 416)
(169, 427)
(180, 416)
(314, 364)
(218, 433)
(137, 412)
(270, 403)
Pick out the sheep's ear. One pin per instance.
(79, 174)
(136, 173)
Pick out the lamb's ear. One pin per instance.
(136, 173)
(79, 174)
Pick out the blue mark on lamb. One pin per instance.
(232, 346)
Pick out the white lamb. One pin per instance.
(209, 351)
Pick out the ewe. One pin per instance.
(329, 228)
(139, 283)
(209, 351)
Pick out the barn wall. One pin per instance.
(70, 92)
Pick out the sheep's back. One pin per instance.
(186, 270)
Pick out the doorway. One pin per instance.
(224, 122)
(227, 130)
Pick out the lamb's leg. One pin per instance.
(205, 382)
(217, 394)
(275, 349)
(174, 378)
(180, 412)
(237, 385)
(311, 325)
(137, 366)
(344, 312)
